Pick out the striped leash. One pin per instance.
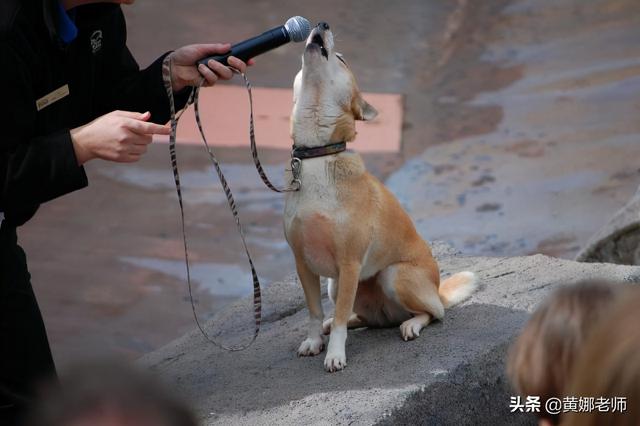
(295, 167)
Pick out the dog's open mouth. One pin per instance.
(317, 40)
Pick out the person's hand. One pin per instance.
(119, 136)
(186, 73)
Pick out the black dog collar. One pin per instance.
(318, 151)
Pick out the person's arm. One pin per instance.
(33, 169)
(127, 87)
(38, 168)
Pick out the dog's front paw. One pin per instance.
(335, 361)
(311, 346)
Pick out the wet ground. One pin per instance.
(519, 135)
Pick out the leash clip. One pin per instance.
(296, 168)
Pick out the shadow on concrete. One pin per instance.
(474, 394)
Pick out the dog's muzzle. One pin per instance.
(316, 39)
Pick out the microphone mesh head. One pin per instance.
(298, 28)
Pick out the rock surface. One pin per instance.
(452, 374)
(619, 240)
(561, 155)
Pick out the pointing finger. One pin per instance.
(146, 128)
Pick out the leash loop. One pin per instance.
(254, 148)
(194, 98)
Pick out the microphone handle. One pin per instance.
(255, 46)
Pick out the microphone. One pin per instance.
(295, 29)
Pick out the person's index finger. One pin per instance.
(155, 129)
(147, 128)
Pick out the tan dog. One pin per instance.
(345, 225)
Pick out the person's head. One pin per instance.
(541, 358)
(609, 367)
(108, 394)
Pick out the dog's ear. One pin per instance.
(365, 111)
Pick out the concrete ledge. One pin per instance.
(452, 374)
(619, 240)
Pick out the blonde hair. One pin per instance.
(610, 367)
(542, 357)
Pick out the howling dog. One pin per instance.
(343, 224)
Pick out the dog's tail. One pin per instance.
(457, 288)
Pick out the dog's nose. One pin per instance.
(323, 25)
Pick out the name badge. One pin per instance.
(52, 97)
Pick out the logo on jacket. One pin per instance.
(96, 41)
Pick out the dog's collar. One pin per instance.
(302, 152)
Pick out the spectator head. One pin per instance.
(107, 394)
(542, 357)
(609, 367)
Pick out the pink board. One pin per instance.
(224, 110)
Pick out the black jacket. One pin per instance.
(37, 160)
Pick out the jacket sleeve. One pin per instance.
(33, 168)
(126, 87)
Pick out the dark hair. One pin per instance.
(100, 390)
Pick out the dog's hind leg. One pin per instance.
(410, 329)
(313, 344)
(355, 321)
(413, 287)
